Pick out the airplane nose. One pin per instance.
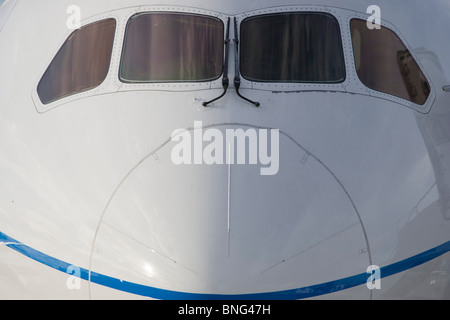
(226, 228)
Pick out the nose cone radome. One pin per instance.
(225, 228)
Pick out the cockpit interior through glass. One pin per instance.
(384, 64)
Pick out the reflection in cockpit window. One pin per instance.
(384, 64)
(292, 47)
(166, 47)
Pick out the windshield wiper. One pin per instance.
(225, 79)
(237, 78)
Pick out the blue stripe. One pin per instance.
(294, 294)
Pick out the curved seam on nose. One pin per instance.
(229, 192)
(343, 188)
(109, 202)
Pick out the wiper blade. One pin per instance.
(237, 78)
(225, 79)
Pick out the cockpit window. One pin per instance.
(384, 64)
(172, 47)
(292, 47)
(81, 64)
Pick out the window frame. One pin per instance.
(399, 37)
(357, 87)
(85, 87)
(112, 84)
(156, 82)
(301, 12)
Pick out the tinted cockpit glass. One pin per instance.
(81, 64)
(384, 64)
(292, 47)
(166, 47)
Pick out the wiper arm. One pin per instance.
(225, 79)
(237, 78)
